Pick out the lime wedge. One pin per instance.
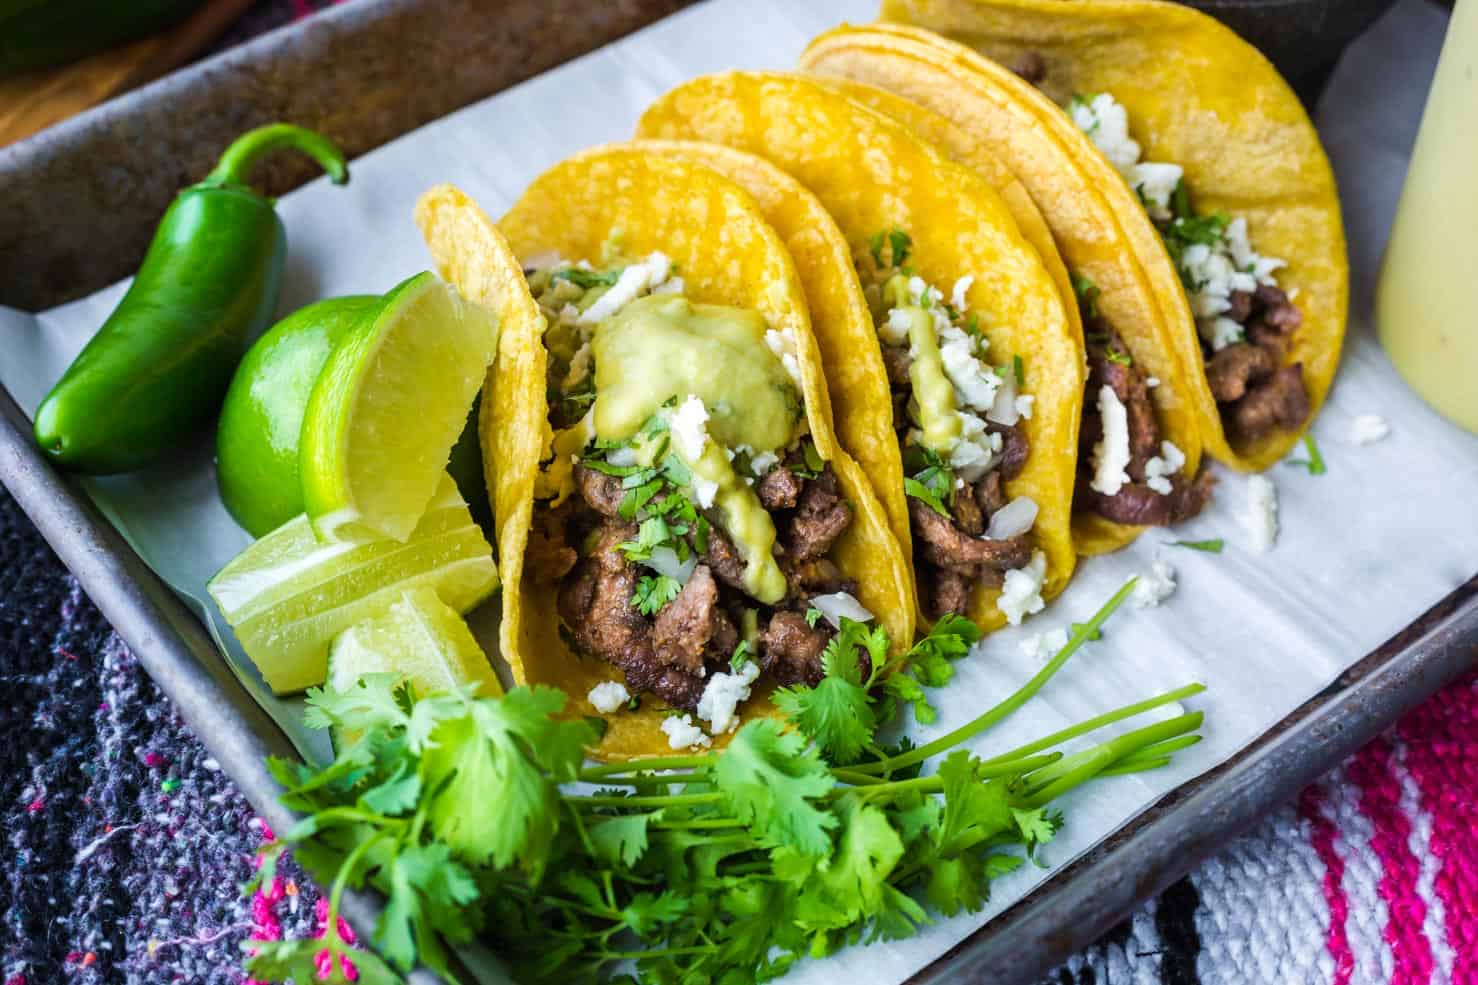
(288, 595)
(420, 639)
(387, 408)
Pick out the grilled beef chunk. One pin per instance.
(820, 517)
(966, 512)
(549, 556)
(1277, 310)
(602, 492)
(692, 626)
(1014, 448)
(990, 493)
(948, 592)
(945, 545)
(896, 361)
(779, 488)
(723, 558)
(1280, 403)
(1031, 66)
(815, 577)
(672, 685)
(1234, 368)
(790, 649)
(1137, 504)
(595, 601)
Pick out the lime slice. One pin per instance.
(420, 639)
(387, 408)
(288, 595)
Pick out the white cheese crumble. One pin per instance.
(1367, 429)
(763, 462)
(608, 696)
(837, 606)
(1159, 469)
(1262, 512)
(976, 450)
(1111, 452)
(635, 280)
(894, 329)
(961, 288)
(1219, 332)
(682, 733)
(1154, 586)
(1044, 646)
(1024, 405)
(782, 344)
(719, 704)
(688, 424)
(1151, 382)
(1021, 593)
(1013, 519)
(704, 490)
(673, 285)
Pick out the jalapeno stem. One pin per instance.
(249, 148)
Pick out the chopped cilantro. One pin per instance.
(1018, 369)
(653, 592)
(653, 533)
(743, 654)
(1087, 293)
(1180, 201)
(898, 243)
(934, 484)
(586, 279)
(1115, 356)
(813, 616)
(1315, 462)
(1209, 546)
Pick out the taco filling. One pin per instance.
(685, 520)
(1246, 323)
(1126, 472)
(957, 421)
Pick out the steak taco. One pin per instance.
(1104, 519)
(678, 525)
(959, 391)
(1197, 152)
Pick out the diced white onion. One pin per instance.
(839, 605)
(664, 561)
(1013, 519)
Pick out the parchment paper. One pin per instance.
(1363, 550)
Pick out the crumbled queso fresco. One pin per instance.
(719, 704)
(1021, 592)
(1154, 586)
(1367, 429)
(1044, 646)
(608, 696)
(1211, 270)
(683, 734)
(1111, 453)
(1262, 512)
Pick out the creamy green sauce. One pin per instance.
(933, 393)
(744, 519)
(664, 347)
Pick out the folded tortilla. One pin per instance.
(1198, 97)
(873, 175)
(714, 234)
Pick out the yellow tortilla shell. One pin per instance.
(873, 174)
(727, 254)
(1092, 534)
(1198, 96)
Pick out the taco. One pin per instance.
(1166, 425)
(1199, 154)
(961, 390)
(671, 501)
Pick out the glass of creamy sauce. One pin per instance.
(1425, 306)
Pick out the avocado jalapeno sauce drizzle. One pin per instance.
(158, 368)
(800, 838)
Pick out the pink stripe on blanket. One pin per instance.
(1380, 801)
(1322, 833)
(1441, 740)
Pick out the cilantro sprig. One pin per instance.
(719, 866)
(933, 484)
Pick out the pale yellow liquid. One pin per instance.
(1427, 299)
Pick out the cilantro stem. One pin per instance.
(1129, 766)
(1154, 755)
(671, 800)
(855, 778)
(1062, 776)
(699, 824)
(598, 774)
(341, 879)
(1081, 634)
(1098, 722)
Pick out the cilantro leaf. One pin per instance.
(768, 779)
(913, 487)
(653, 592)
(1087, 293)
(622, 840)
(586, 279)
(1213, 546)
(899, 242)
(850, 886)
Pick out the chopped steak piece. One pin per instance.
(671, 685)
(1031, 66)
(947, 546)
(896, 361)
(990, 493)
(1277, 310)
(1270, 339)
(688, 624)
(549, 556)
(948, 592)
(1241, 306)
(779, 488)
(603, 492)
(790, 649)
(900, 410)
(1280, 402)
(723, 558)
(595, 602)
(815, 577)
(1014, 448)
(1137, 504)
(819, 519)
(1231, 370)
(967, 513)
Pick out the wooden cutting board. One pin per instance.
(35, 100)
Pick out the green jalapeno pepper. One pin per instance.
(158, 368)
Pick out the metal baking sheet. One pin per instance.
(351, 74)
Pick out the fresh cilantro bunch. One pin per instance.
(802, 836)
